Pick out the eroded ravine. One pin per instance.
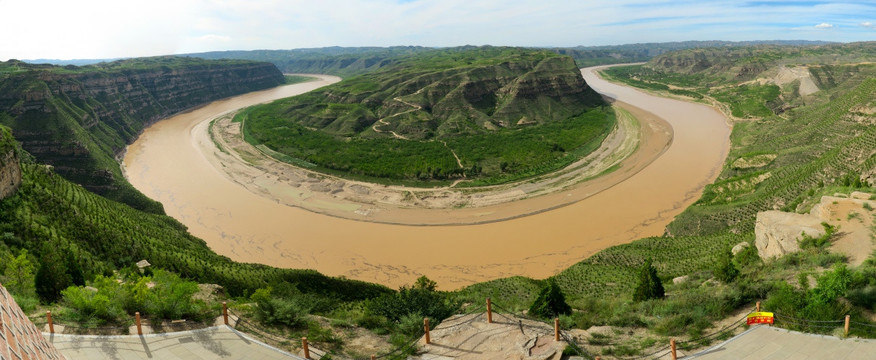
(167, 164)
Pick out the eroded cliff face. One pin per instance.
(425, 104)
(78, 119)
(10, 169)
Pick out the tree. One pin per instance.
(424, 283)
(19, 273)
(550, 302)
(74, 270)
(52, 275)
(650, 286)
(726, 270)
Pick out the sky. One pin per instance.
(99, 29)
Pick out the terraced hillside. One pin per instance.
(823, 144)
(78, 119)
(48, 211)
(444, 114)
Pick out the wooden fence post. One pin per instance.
(137, 321)
(672, 347)
(757, 306)
(373, 357)
(846, 328)
(489, 311)
(426, 327)
(556, 329)
(51, 324)
(225, 312)
(306, 349)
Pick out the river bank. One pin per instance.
(247, 226)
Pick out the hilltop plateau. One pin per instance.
(476, 113)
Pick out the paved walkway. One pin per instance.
(764, 342)
(218, 342)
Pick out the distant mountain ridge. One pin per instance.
(349, 61)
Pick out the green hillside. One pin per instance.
(352, 61)
(104, 235)
(79, 119)
(340, 61)
(822, 144)
(504, 113)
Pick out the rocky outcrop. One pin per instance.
(78, 119)
(10, 169)
(778, 233)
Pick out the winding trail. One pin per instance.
(584, 218)
(383, 122)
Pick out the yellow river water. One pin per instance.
(167, 164)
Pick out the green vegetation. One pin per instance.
(819, 145)
(649, 285)
(726, 270)
(297, 79)
(340, 61)
(351, 61)
(50, 216)
(807, 147)
(491, 114)
(749, 100)
(108, 300)
(550, 302)
(79, 119)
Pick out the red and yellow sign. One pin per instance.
(761, 318)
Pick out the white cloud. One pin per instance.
(106, 28)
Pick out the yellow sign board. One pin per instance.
(761, 318)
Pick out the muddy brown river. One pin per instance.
(168, 164)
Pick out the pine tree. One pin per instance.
(52, 275)
(550, 302)
(650, 286)
(74, 270)
(726, 270)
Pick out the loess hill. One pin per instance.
(493, 114)
(79, 119)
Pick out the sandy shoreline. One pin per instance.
(249, 227)
(635, 142)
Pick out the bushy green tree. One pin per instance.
(649, 285)
(18, 274)
(413, 300)
(550, 302)
(278, 311)
(172, 297)
(725, 270)
(425, 283)
(52, 277)
(74, 269)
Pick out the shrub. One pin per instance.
(649, 285)
(275, 311)
(863, 297)
(550, 302)
(412, 324)
(395, 306)
(726, 270)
